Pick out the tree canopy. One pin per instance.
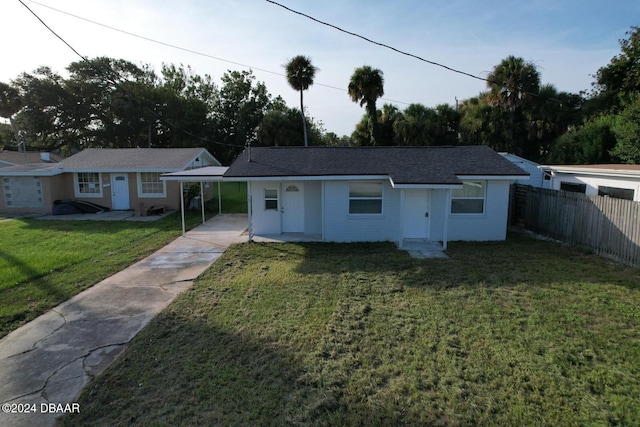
(107, 102)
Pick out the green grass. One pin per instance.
(234, 197)
(45, 262)
(522, 332)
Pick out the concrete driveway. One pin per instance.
(45, 364)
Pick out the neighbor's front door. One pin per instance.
(120, 191)
(415, 214)
(293, 207)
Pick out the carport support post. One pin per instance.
(249, 229)
(202, 199)
(219, 199)
(182, 205)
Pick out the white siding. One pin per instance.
(593, 182)
(313, 207)
(492, 225)
(339, 226)
(264, 221)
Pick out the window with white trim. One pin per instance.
(150, 185)
(469, 199)
(88, 184)
(365, 197)
(270, 199)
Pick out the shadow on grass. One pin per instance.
(188, 371)
(520, 260)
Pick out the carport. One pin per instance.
(201, 175)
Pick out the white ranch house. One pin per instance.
(398, 194)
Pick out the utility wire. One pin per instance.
(379, 43)
(192, 51)
(126, 92)
(437, 64)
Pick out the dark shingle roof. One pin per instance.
(404, 165)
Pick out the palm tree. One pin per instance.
(300, 75)
(365, 87)
(513, 83)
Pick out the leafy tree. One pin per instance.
(365, 87)
(415, 126)
(6, 136)
(10, 104)
(627, 131)
(300, 75)
(240, 106)
(387, 119)
(446, 128)
(590, 143)
(483, 124)
(620, 79)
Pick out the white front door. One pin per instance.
(415, 214)
(293, 207)
(120, 191)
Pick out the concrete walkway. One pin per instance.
(50, 359)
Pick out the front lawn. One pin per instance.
(45, 262)
(523, 332)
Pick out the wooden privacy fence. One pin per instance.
(605, 225)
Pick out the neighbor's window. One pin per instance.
(615, 192)
(469, 199)
(150, 185)
(88, 183)
(271, 199)
(365, 197)
(573, 187)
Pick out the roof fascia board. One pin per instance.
(307, 178)
(494, 177)
(122, 170)
(429, 186)
(618, 173)
(31, 173)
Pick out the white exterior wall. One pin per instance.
(593, 182)
(492, 225)
(536, 178)
(313, 207)
(265, 221)
(339, 226)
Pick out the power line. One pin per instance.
(192, 51)
(126, 92)
(437, 64)
(379, 43)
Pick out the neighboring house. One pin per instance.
(119, 179)
(15, 158)
(537, 176)
(619, 181)
(25, 180)
(351, 194)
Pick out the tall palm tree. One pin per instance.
(513, 83)
(300, 75)
(365, 87)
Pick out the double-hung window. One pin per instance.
(88, 184)
(150, 185)
(271, 199)
(365, 197)
(469, 199)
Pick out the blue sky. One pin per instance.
(567, 40)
